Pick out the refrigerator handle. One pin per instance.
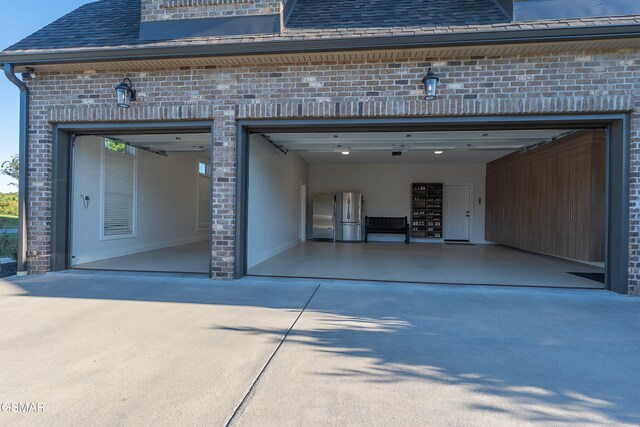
(335, 222)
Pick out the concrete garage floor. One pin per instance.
(427, 262)
(102, 349)
(190, 258)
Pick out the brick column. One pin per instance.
(223, 177)
(634, 205)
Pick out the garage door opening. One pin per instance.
(141, 202)
(522, 207)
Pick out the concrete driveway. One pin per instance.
(122, 350)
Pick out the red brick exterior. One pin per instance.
(478, 86)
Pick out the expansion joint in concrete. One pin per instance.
(249, 394)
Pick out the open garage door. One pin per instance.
(519, 207)
(141, 202)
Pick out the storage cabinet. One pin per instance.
(550, 199)
(426, 210)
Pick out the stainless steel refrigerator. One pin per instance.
(349, 216)
(324, 212)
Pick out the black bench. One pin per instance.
(386, 225)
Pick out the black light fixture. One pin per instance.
(31, 74)
(430, 82)
(125, 93)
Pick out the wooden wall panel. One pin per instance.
(551, 199)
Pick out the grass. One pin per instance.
(8, 221)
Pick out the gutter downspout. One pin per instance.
(22, 178)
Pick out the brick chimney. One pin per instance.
(170, 19)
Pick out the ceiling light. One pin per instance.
(438, 152)
(344, 151)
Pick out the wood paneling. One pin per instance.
(551, 199)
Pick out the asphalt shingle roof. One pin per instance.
(115, 24)
(395, 13)
(98, 24)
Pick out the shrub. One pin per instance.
(8, 245)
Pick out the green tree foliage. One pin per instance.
(9, 204)
(11, 168)
(114, 145)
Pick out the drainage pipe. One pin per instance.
(22, 179)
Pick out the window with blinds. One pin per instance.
(204, 195)
(119, 192)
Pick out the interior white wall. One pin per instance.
(386, 188)
(274, 200)
(167, 200)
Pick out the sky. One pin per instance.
(18, 20)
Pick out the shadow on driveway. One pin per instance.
(494, 354)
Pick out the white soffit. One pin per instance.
(388, 54)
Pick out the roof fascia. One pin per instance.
(325, 45)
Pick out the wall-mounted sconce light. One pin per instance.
(125, 93)
(430, 82)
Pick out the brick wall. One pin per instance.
(588, 82)
(154, 10)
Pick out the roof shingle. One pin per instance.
(397, 13)
(97, 24)
(115, 24)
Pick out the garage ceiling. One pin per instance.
(169, 143)
(416, 147)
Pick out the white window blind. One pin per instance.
(119, 194)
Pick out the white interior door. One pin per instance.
(303, 212)
(457, 211)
